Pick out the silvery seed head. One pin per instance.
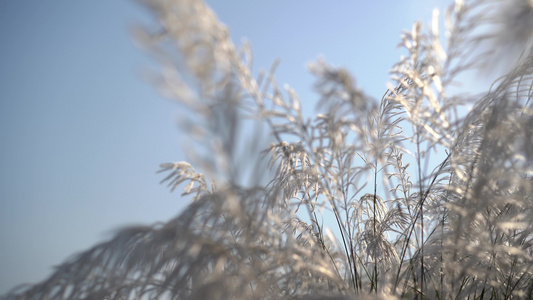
(513, 37)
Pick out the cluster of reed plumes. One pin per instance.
(425, 194)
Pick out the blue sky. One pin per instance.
(82, 135)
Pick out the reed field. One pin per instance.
(425, 193)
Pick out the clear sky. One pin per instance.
(82, 135)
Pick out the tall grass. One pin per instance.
(424, 194)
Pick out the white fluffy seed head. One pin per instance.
(514, 35)
(517, 22)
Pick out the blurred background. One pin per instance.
(82, 134)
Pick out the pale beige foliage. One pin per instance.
(408, 197)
